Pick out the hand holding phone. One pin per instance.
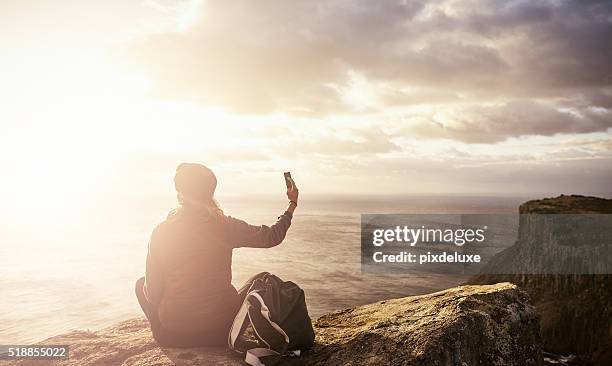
(288, 179)
(292, 190)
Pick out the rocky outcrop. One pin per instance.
(556, 237)
(575, 309)
(568, 204)
(468, 325)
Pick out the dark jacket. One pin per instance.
(188, 274)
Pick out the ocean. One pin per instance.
(79, 274)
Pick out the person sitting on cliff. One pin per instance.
(186, 293)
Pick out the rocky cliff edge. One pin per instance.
(467, 325)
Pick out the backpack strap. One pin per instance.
(240, 322)
(265, 312)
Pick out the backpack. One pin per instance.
(272, 322)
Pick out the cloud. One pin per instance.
(362, 141)
(549, 166)
(490, 124)
(297, 57)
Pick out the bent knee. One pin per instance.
(139, 286)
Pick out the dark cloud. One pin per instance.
(489, 124)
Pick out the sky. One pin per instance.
(102, 99)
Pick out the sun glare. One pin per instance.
(190, 14)
(71, 118)
(360, 93)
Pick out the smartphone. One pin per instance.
(287, 179)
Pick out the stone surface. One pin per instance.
(129, 343)
(468, 325)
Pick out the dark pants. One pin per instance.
(168, 338)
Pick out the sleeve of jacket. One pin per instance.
(242, 234)
(154, 280)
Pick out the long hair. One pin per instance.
(207, 208)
